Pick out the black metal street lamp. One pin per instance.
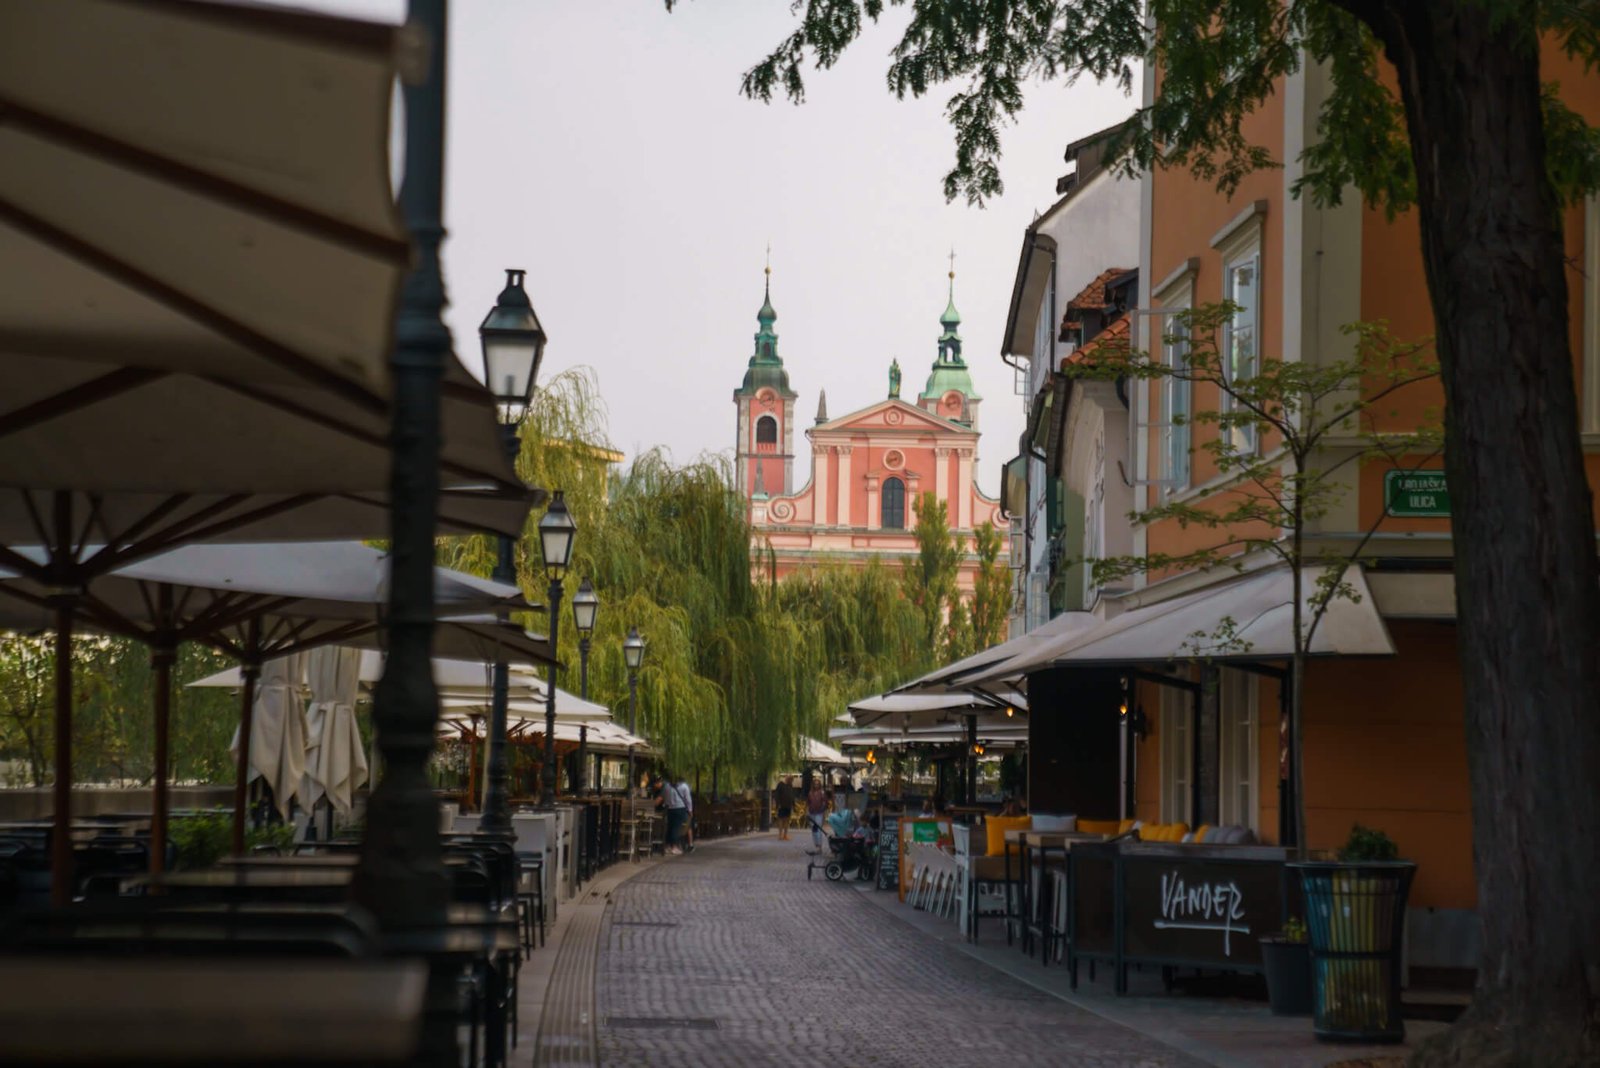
(585, 606)
(401, 877)
(633, 656)
(556, 534)
(513, 346)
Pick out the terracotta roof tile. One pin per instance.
(1093, 295)
(1117, 329)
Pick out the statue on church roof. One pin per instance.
(894, 379)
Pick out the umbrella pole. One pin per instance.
(61, 830)
(161, 656)
(248, 669)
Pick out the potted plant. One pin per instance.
(1286, 957)
(1355, 910)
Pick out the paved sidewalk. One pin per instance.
(1221, 1031)
(730, 957)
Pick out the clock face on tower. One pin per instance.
(950, 403)
(766, 396)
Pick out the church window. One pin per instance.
(766, 430)
(894, 504)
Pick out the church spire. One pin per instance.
(950, 336)
(766, 366)
(822, 407)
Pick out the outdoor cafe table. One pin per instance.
(247, 883)
(189, 1011)
(333, 861)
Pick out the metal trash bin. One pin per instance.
(1356, 916)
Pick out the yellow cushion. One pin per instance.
(1125, 826)
(1201, 831)
(1163, 832)
(1097, 826)
(997, 826)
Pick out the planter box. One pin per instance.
(1288, 970)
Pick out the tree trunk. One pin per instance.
(1527, 585)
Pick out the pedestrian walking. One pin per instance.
(688, 814)
(672, 800)
(816, 809)
(783, 803)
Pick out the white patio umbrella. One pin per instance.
(277, 738)
(202, 258)
(336, 765)
(257, 602)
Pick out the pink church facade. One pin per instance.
(867, 467)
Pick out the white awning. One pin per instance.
(1256, 607)
(928, 709)
(815, 752)
(952, 678)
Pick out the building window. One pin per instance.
(894, 504)
(1177, 755)
(1241, 360)
(1237, 710)
(1173, 420)
(766, 430)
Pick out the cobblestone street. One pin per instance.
(730, 957)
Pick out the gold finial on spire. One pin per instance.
(769, 259)
(952, 264)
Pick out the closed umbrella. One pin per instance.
(277, 731)
(336, 766)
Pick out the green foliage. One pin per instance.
(1367, 843)
(991, 595)
(1294, 930)
(201, 840)
(1220, 60)
(930, 576)
(113, 733)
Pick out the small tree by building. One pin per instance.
(1282, 440)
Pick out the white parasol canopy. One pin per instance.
(336, 765)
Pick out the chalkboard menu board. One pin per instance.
(889, 853)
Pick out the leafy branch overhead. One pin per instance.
(1220, 60)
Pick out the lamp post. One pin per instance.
(556, 534)
(401, 878)
(513, 346)
(633, 656)
(585, 606)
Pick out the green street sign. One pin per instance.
(925, 831)
(1416, 494)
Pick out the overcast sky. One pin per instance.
(603, 146)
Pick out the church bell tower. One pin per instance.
(764, 448)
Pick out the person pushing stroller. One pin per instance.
(816, 810)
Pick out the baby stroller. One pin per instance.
(850, 851)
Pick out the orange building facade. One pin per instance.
(1383, 736)
(867, 467)
(1383, 740)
